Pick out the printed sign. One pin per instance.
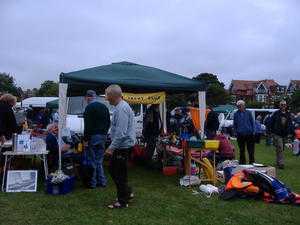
(145, 98)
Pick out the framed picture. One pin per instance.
(21, 181)
(23, 143)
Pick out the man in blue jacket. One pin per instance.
(244, 126)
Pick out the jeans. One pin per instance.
(244, 140)
(96, 148)
(279, 145)
(118, 172)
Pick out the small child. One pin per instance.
(296, 143)
(226, 149)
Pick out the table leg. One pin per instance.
(4, 173)
(45, 166)
(214, 169)
(9, 159)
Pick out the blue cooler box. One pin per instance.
(62, 188)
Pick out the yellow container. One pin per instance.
(211, 144)
(80, 147)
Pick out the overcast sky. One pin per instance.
(244, 39)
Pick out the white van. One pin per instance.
(76, 106)
(226, 122)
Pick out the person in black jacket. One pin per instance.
(211, 124)
(151, 129)
(8, 124)
(281, 127)
(96, 124)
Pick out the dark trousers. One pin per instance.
(243, 141)
(150, 147)
(118, 171)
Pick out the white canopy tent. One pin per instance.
(37, 101)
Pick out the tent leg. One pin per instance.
(62, 106)
(165, 117)
(202, 111)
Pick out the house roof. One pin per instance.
(269, 83)
(295, 82)
(250, 85)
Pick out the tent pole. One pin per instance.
(165, 117)
(62, 106)
(202, 111)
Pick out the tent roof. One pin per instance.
(130, 76)
(37, 101)
(224, 108)
(53, 104)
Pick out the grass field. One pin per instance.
(159, 200)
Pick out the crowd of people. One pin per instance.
(281, 125)
(97, 122)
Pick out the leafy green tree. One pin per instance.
(255, 104)
(295, 101)
(8, 85)
(48, 88)
(216, 94)
(175, 100)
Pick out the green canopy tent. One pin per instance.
(224, 108)
(52, 105)
(131, 77)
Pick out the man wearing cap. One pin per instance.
(96, 124)
(281, 127)
(244, 126)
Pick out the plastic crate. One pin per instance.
(170, 170)
(62, 188)
(195, 144)
(212, 144)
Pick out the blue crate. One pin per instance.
(60, 189)
(196, 144)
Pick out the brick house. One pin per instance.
(265, 91)
(293, 86)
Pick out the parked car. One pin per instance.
(226, 121)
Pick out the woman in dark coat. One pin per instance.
(8, 124)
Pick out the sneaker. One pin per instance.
(131, 196)
(117, 205)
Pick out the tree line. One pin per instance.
(216, 94)
(8, 85)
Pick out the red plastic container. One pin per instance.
(170, 170)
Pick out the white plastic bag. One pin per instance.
(189, 180)
(208, 189)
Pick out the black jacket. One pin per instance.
(212, 121)
(152, 123)
(96, 120)
(8, 124)
(277, 126)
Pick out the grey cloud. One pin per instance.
(235, 39)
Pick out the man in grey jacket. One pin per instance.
(123, 139)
